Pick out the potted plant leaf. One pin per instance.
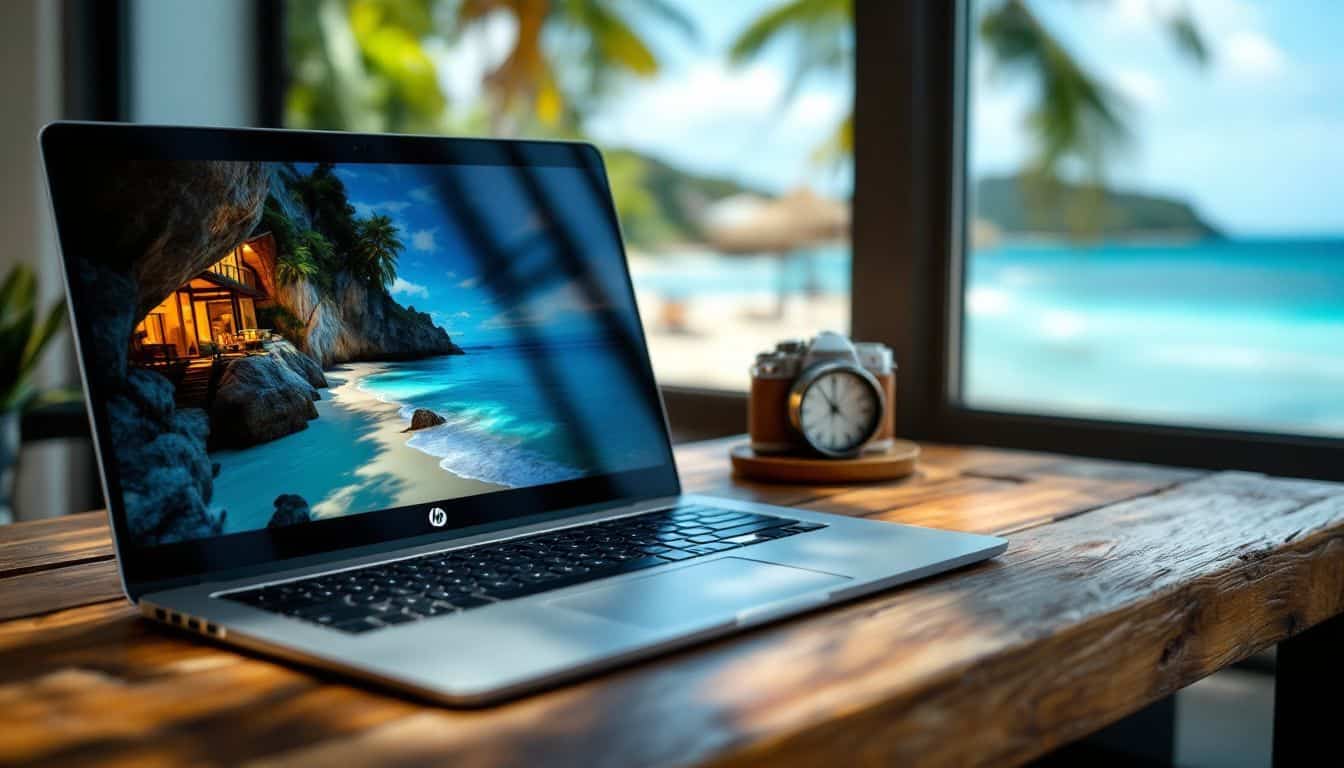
(23, 337)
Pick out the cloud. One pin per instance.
(568, 299)
(346, 173)
(423, 195)
(1252, 56)
(767, 140)
(1141, 87)
(423, 240)
(450, 274)
(470, 282)
(461, 315)
(407, 288)
(387, 206)
(1234, 30)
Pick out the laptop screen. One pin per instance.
(282, 343)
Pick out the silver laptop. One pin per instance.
(383, 405)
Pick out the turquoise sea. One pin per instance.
(1239, 333)
(525, 415)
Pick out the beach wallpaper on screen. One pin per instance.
(280, 343)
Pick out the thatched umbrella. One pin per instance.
(746, 224)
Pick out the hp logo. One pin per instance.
(437, 517)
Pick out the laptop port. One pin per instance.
(211, 629)
(193, 625)
(160, 614)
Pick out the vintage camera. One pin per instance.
(827, 397)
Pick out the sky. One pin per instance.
(699, 112)
(438, 273)
(1253, 140)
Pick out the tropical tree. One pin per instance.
(567, 54)
(1074, 115)
(377, 246)
(323, 195)
(366, 64)
(362, 65)
(821, 35)
(303, 261)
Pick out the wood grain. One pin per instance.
(56, 588)
(1121, 583)
(59, 541)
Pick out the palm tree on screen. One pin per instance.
(377, 246)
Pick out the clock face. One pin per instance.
(839, 412)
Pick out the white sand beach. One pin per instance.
(352, 458)
(719, 335)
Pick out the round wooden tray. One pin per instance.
(897, 461)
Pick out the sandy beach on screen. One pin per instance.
(352, 458)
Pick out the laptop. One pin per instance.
(383, 405)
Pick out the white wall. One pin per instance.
(193, 62)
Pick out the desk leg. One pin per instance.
(1309, 677)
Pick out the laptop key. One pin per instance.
(333, 613)
(470, 577)
(740, 530)
(357, 626)
(709, 549)
(676, 554)
(469, 601)
(731, 521)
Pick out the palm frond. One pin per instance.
(1185, 34)
(618, 44)
(674, 17)
(1074, 114)
(820, 31)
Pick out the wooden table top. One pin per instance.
(1121, 583)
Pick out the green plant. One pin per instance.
(23, 336)
(281, 319)
(377, 246)
(303, 261)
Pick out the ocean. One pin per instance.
(518, 416)
(1238, 333)
(1244, 334)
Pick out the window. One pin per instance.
(725, 127)
(1154, 231)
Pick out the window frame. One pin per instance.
(928, 109)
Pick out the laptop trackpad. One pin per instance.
(700, 593)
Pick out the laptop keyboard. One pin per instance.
(366, 599)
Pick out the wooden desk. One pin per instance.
(1121, 584)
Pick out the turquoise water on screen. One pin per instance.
(527, 415)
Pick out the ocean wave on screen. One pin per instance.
(473, 453)
(481, 442)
